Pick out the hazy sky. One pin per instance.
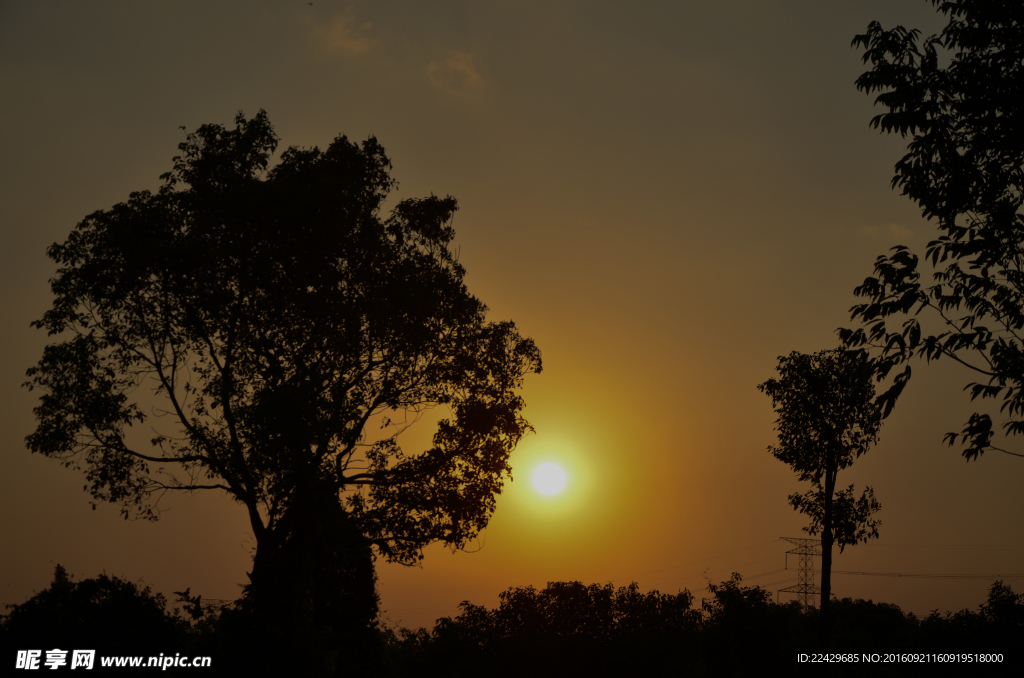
(666, 196)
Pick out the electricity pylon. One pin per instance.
(805, 588)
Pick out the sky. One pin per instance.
(665, 196)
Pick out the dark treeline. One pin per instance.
(567, 628)
(572, 629)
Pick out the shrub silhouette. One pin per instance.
(106, 614)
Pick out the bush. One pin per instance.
(106, 614)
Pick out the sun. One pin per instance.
(549, 478)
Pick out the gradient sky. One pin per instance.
(665, 196)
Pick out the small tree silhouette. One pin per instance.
(827, 417)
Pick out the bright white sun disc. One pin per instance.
(549, 478)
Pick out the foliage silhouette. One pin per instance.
(965, 168)
(827, 417)
(566, 628)
(107, 614)
(740, 623)
(277, 334)
(569, 628)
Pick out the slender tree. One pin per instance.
(827, 417)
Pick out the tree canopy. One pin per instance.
(958, 96)
(265, 331)
(106, 613)
(827, 417)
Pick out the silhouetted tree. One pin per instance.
(741, 623)
(277, 335)
(959, 96)
(565, 628)
(997, 625)
(107, 614)
(827, 417)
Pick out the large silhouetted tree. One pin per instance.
(959, 97)
(268, 333)
(827, 417)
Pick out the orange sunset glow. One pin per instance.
(664, 197)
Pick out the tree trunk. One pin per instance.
(827, 539)
(313, 595)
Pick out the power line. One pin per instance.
(693, 577)
(763, 574)
(915, 575)
(949, 547)
(694, 562)
(950, 576)
(768, 587)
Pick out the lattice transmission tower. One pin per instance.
(805, 588)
